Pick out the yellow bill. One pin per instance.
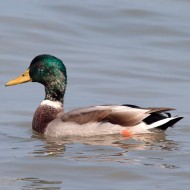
(25, 77)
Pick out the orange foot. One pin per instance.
(126, 134)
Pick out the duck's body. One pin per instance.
(51, 120)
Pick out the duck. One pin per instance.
(50, 119)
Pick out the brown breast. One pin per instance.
(43, 116)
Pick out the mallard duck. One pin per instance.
(51, 120)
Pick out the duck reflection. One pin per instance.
(57, 146)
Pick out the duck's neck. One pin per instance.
(45, 113)
(55, 91)
(52, 104)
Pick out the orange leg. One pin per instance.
(126, 133)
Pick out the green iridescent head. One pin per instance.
(49, 71)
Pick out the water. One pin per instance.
(115, 52)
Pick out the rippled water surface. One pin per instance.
(121, 51)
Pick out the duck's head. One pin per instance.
(49, 71)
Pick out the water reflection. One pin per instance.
(58, 146)
(51, 147)
(32, 183)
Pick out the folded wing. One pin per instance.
(123, 115)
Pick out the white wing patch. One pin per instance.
(159, 123)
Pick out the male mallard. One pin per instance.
(50, 119)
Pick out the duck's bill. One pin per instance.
(25, 77)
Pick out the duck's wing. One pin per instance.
(122, 115)
(86, 115)
(133, 116)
